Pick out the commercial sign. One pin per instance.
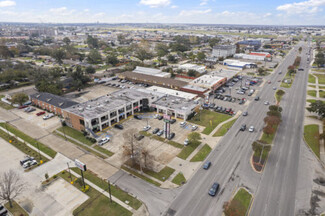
(80, 165)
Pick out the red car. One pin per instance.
(40, 113)
(22, 106)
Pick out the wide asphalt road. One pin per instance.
(230, 159)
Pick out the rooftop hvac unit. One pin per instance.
(81, 109)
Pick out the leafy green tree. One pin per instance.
(201, 56)
(161, 49)
(90, 70)
(5, 52)
(67, 41)
(268, 130)
(194, 137)
(59, 55)
(171, 58)
(111, 59)
(94, 57)
(92, 42)
(191, 73)
(142, 54)
(20, 98)
(275, 108)
(214, 41)
(320, 59)
(317, 107)
(79, 78)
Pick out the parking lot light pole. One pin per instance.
(109, 190)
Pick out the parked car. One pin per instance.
(40, 113)
(48, 116)
(243, 127)
(251, 129)
(161, 132)
(257, 98)
(137, 117)
(182, 124)
(156, 130)
(266, 103)
(172, 121)
(146, 128)
(194, 127)
(139, 137)
(156, 116)
(29, 164)
(212, 105)
(22, 107)
(160, 117)
(214, 189)
(171, 136)
(280, 72)
(103, 141)
(29, 109)
(3, 211)
(245, 113)
(27, 158)
(207, 165)
(186, 142)
(118, 126)
(274, 88)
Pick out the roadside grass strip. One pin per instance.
(224, 128)
(311, 135)
(140, 176)
(202, 154)
(187, 150)
(16, 209)
(311, 79)
(179, 179)
(75, 135)
(239, 205)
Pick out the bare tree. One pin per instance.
(130, 144)
(146, 155)
(11, 186)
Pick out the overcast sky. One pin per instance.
(278, 12)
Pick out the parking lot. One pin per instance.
(162, 152)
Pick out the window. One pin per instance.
(112, 114)
(82, 122)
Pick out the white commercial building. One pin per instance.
(223, 51)
(151, 71)
(209, 81)
(198, 68)
(249, 57)
(235, 64)
(185, 95)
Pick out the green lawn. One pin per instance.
(311, 135)
(311, 100)
(239, 204)
(209, 120)
(321, 78)
(97, 203)
(321, 93)
(5, 105)
(16, 209)
(312, 86)
(162, 175)
(75, 134)
(187, 150)
(29, 139)
(224, 128)
(311, 79)
(179, 179)
(82, 146)
(175, 144)
(140, 176)
(311, 93)
(103, 150)
(117, 192)
(202, 154)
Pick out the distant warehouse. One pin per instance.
(235, 64)
(223, 51)
(198, 68)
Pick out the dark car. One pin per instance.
(214, 189)
(207, 165)
(160, 117)
(171, 136)
(241, 101)
(224, 110)
(172, 121)
(137, 117)
(155, 130)
(212, 105)
(118, 126)
(139, 137)
(257, 98)
(245, 113)
(22, 106)
(243, 127)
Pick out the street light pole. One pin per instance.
(39, 152)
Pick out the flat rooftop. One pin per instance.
(151, 71)
(176, 103)
(225, 73)
(96, 107)
(207, 80)
(181, 94)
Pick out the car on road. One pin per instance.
(48, 116)
(118, 126)
(245, 113)
(279, 80)
(172, 121)
(186, 142)
(146, 128)
(182, 124)
(266, 103)
(269, 82)
(214, 189)
(40, 113)
(160, 132)
(257, 98)
(280, 72)
(171, 136)
(103, 141)
(274, 88)
(194, 127)
(137, 117)
(207, 165)
(251, 129)
(156, 130)
(243, 127)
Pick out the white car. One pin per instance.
(48, 116)
(103, 141)
(266, 103)
(182, 124)
(186, 142)
(156, 116)
(194, 127)
(146, 128)
(29, 164)
(274, 88)
(251, 129)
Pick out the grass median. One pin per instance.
(239, 205)
(209, 119)
(202, 154)
(187, 150)
(75, 135)
(116, 191)
(311, 93)
(224, 128)
(5, 105)
(29, 139)
(140, 176)
(311, 135)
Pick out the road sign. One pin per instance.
(80, 165)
